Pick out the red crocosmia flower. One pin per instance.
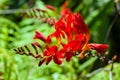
(98, 47)
(73, 29)
(49, 54)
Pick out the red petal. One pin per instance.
(78, 28)
(57, 60)
(52, 50)
(80, 25)
(60, 54)
(45, 52)
(84, 26)
(69, 56)
(60, 24)
(56, 34)
(98, 47)
(48, 60)
(48, 39)
(40, 36)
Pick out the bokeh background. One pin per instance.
(17, 29)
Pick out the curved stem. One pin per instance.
(110, 27)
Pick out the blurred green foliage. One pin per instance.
(17, 30)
